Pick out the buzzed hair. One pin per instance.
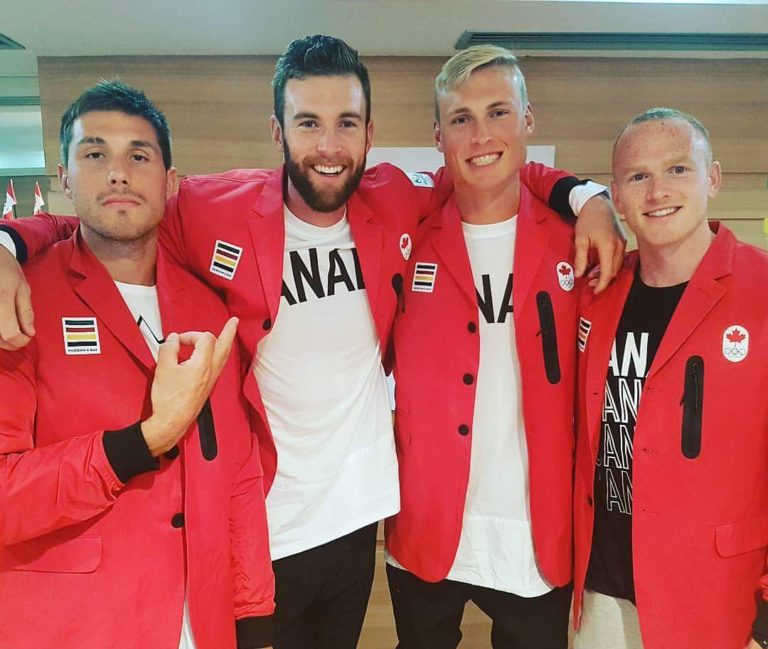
(659, 114)
(460, 66)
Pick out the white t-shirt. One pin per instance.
(320, 376)
(496, 545)
(143, 305)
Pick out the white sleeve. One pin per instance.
(7, 243)
(580, 194)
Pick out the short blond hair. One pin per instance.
(458, 68)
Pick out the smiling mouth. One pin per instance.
(662, 212)
(328, 170)
(484, 160)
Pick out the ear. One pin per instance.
(277, 132)
(171, 176)
(64, 180)
(369, 136)
(616, 197)
(715, 179)
(438, 135)
(529, 123)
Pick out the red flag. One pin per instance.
(39, 202)
(10, 200)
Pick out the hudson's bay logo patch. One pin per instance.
(424, 276)
(81, 336)
(226, 257)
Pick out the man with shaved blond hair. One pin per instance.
(485, 372)
(671, 492)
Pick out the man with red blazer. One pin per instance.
(311, 258)
(671, 494)
(485, 371)
(131, 502)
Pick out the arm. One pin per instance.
(50, 487)
(45, 488)
(34, 234)
(760, 627)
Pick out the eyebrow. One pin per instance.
(345, 115)
(135, 144)
(465, 109)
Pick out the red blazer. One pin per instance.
(241, 212)
(700, 521)
(436, 344)
(86, 560)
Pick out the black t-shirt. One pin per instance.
(646, 314)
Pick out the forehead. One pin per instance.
(659, 139)
(112, 126)
(499, 82)
(316, 93)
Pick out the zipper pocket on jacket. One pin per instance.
(207, 430)
(693, 404)
(548, 337)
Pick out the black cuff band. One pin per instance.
(21, 247)
(128, 453)
(254, 632)
(559, 197)
(760, 627)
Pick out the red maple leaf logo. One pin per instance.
(404, 242)
(564, 270)
(735, 336)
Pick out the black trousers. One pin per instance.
(321, 595)
(428, 615)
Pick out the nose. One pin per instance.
(118, 175)
(480, 132)
(658, 188)
(329, 142)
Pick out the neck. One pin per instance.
(131, 262)
(492, 205)
(670, 265)
(301, 210)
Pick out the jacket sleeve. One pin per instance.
(254, 588)
(46, 488)
(172, 227)
(34, 234)
(551, 186)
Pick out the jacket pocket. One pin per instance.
(738, 538)
(693, 403)
(207, 430)
(548, 336)
(78, 555)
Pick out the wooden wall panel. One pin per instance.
(219, 107)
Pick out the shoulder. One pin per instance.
(49, 268)
(235, 182)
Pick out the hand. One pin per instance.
(753, 645)
(598, 231)
(179, 390)
(17, 321)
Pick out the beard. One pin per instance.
(325, 200)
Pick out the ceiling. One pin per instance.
(375, 27)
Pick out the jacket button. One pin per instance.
(266, 325)
(469, 379)
(589, 501)
(471, 327)
(464, 430)
(172, 453)
(177, 520)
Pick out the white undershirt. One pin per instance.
(320, 376)
(143, 305)
(496, 545)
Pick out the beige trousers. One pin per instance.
(608, 623)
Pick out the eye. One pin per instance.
(139, 157)
(93, 155)
(679, 169)
(348, 123)
(460, 119)
(636, 178)
(500, 112)
(307, 124)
